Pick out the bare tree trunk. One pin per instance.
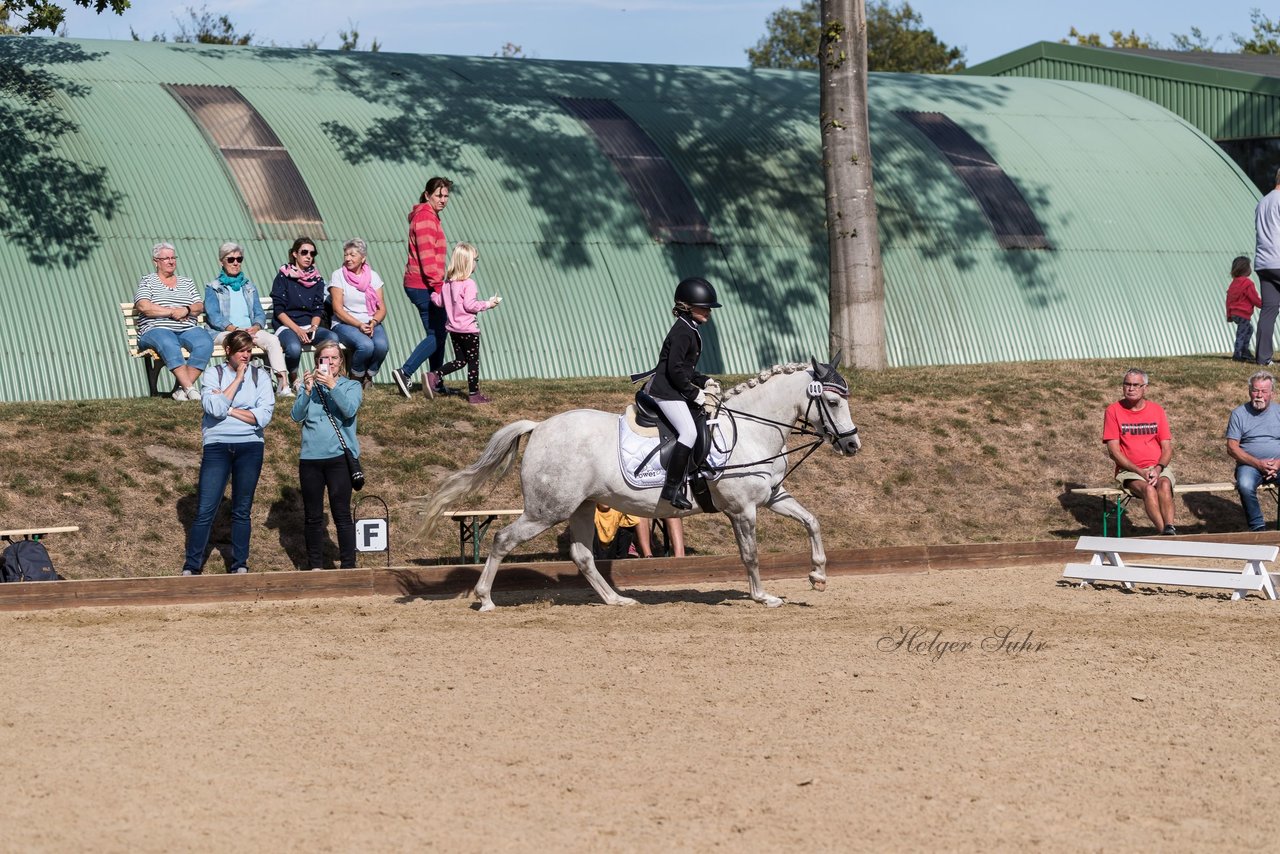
(853, 238)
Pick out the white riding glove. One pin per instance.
(712, 387)
(700, 399)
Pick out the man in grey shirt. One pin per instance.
(1266, 262)
(1253, 441)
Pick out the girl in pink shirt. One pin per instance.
(458, 296)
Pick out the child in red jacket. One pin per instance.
(1242, 299)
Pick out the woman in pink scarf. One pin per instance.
(359, 311)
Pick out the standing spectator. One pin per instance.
(297, 304)
(231, 302)
(358, 311)
(1267, 262)
(168, 305)
(238, 402)
(458, 297)
(1242, 299)
(328, 403)
(1140, 443)
(423, 276)
(1253, 441)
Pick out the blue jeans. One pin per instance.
(431, 348)
(292, 345)
(169, 344)
(365, 353)
(1244, 331)
(241, 463)
(1247, 480)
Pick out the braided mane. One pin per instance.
(764, 376)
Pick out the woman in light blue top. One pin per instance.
(238, 402)
(322, 465)
(231, 302)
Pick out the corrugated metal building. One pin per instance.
(1020, 219)
(1232, 98)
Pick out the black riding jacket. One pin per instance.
(677, 376)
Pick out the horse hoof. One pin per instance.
(819, 584)
(486, 605)
(772, 602)
(625, 600)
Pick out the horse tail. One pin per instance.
(494, 462)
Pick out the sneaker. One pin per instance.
(477, 399)
(429, 382)
(1170, 531)
(244, 570)
(402, 382)
(366, 382)
(180, 394)
(191, 571)
(193, 393)
(284, 390)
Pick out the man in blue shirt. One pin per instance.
(1253, 441)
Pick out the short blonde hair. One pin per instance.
(331, 344)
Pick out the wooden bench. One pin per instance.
(472, 526)
(130, 314)
(36, 533)
(1116, 500)
(1108, 564)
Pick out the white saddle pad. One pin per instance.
(633, 448)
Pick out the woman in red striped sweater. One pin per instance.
(424, 275)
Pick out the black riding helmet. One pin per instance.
(696, 292)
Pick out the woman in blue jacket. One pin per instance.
(327, 404)
(231, 302)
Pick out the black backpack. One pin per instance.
(27, 560)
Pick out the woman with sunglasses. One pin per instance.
(297, 304)
(231, 302)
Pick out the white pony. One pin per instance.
(572, 461)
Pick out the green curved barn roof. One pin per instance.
(1142, 213)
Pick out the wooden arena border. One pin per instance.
(455, 581)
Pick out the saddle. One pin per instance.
(647, 416)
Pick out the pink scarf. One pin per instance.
(360, 281)
(308, 278)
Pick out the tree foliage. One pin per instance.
(896, 40)
(204, 27)
(1118, 39)
(1265, 38)
(35, 15)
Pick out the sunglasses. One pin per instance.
(308, 252)
(234, 259)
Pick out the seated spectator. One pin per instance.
(168, 305)
(358, 311)
(297, 304)
(231, 302)
(1253, 441)
(1138, 440)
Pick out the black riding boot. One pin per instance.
(673, 489)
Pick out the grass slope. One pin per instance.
(950, 455)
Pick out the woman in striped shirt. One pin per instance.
(168, 305)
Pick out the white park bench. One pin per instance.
(1245, 572)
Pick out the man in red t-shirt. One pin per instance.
(1137, 436)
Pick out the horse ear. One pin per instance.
(835, 363)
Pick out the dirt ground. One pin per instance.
(695, 721)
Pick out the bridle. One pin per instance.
(800, 427)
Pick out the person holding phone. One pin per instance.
(327, 398)
(297, 304)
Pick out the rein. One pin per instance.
(794, 429)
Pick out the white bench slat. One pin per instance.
(1179, 548)
(1165, 575)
